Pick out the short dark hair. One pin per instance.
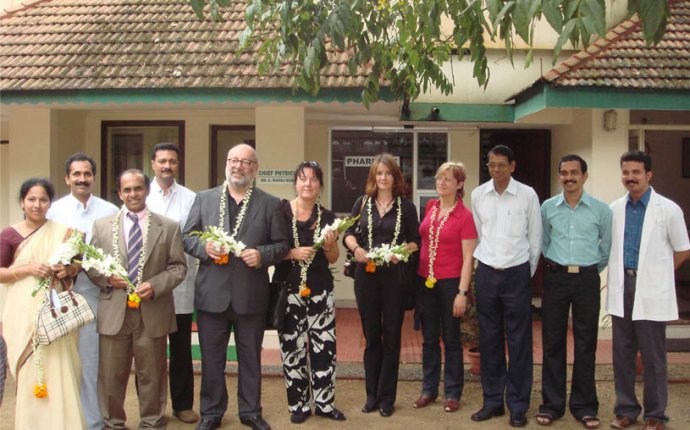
(573, 157)
(32, 182)
(147, 181)
(164, 146)
(504, 151)
(313, 165)
(639, 156)
(79, 156)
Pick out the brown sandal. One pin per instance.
(544, 419)
(589, 422)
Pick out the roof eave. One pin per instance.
(185, 95)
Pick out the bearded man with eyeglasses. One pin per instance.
(232, 289)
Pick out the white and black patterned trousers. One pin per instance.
(307, 347)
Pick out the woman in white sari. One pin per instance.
(47, 379)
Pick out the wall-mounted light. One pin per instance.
(610, 119)
(435, 114)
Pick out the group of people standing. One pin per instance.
(641, 237)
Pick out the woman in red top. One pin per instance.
(445, 267)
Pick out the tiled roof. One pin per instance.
(130, 44)
(622, 59)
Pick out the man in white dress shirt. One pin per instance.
(79, 209)
(508, 219)
(170, 199)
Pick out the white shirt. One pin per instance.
(72, 213)
(663, 233)
(508, 225)
(176, 206)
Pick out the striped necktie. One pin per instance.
(136, 239)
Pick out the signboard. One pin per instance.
(269, 176)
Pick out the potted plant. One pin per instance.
(469, 330)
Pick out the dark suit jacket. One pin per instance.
(264, 228)
(165, 267)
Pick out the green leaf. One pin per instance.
(198, 6)
(553, 14)
(594, 16)
(564, 37)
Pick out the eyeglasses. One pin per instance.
(244, 163)
(499, 166)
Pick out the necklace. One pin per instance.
(224, 204)
(370, 221)
(133, 299)
(433, 240)
(304, 290)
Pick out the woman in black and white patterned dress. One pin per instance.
(307, 339)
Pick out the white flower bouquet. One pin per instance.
(339, 226)
(222, 241)
(384, 254)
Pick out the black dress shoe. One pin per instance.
(486, 413)
(386, 411)
(255, 422)
(518, 419)
(335, 414)
(299, 417)
(369, 406)
(208, 424)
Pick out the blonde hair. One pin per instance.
(457, 169)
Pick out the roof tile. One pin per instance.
(124, 44)
(623, 60)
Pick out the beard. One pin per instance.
(242, 182)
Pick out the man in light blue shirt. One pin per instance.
(79, 209)
(577, 242)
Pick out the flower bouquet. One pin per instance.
(222, 241)
(384, 254)
(107, 265)
(339, 226)
(63, 254)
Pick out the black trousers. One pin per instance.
(562, 291)
(181, 372)
(380, 301)
(438, 322)
(214, 334)
(504, 309)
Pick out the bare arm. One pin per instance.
(679, 257)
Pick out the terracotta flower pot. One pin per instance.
(473, 354)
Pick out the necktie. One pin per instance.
(136, 240)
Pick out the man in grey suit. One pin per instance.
(150, 248)
(232, 292)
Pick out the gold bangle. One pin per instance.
(14, 274)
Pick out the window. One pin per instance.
(352, 151)
(128, 144)
(224, 137)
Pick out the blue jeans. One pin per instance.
(438, 321)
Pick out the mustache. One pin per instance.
(81, 183)
(630, 181)
(569, 182)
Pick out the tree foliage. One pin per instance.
(402, 43)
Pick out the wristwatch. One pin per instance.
(462, 292)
